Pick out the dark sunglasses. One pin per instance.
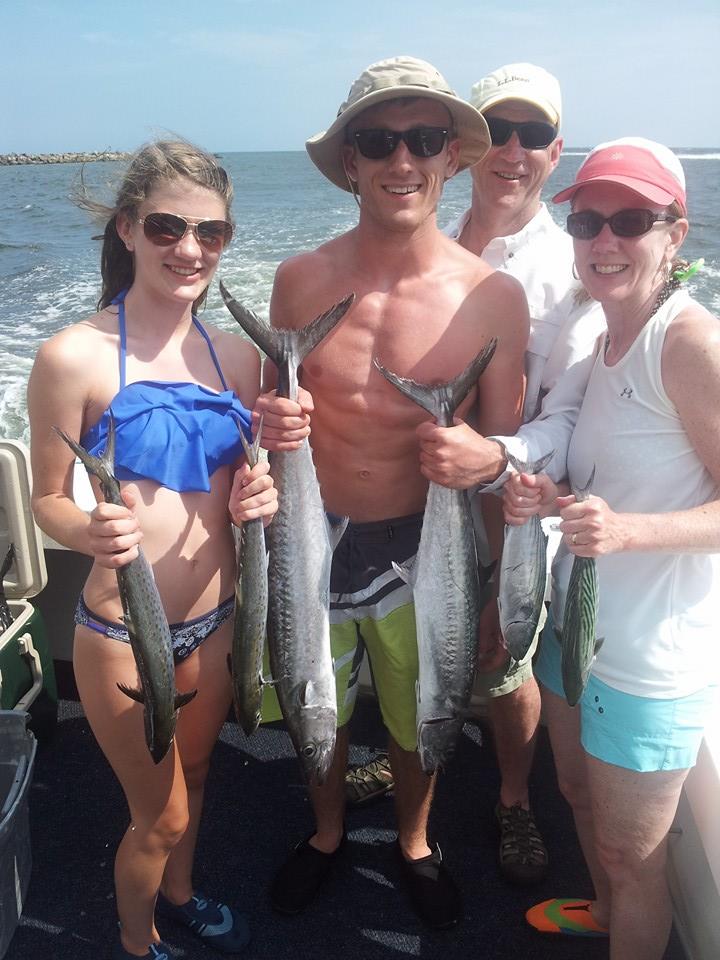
(532, 134)
(420, 141)
(625, 223)
(165, 229)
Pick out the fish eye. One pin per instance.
(308, 750)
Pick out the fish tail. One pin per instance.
(261, 333)
(582, 493)
(442, 400)
(252, 450)
(102, 467)
(529, 466)
(287, 348)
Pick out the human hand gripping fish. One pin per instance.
(144, 617)
(445, 583)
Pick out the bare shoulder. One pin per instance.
(691, 361)
(77, 349)
(307, 283)
(239, 361)
(691, 351)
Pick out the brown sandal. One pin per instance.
(369, 782)
(523, 856)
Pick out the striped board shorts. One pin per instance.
(371, 609)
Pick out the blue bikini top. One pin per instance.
(176, 434)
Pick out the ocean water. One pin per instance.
(49, 263)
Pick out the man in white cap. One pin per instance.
(425, 307)
(510, 227)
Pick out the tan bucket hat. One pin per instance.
(388, 80)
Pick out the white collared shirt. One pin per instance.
(563, 336)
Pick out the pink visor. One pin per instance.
(639, 169)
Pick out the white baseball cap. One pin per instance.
(519, 81)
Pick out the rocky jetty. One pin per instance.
(13, 159)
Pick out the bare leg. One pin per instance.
(198, 728)
(633, 812)
(515, 718)
(413, 799)
(570, 762)
(156, 795)
(328, 801)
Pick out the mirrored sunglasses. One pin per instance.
(587, 224)
(376, 144)
(165, 229)
(532, 134)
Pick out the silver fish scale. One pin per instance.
(298, 616)
(522, 585)
(446, 594)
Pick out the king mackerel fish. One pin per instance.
(445, 584)
(578, 641)
(523, 574)
(144, 617)
(300, 547)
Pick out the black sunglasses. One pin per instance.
(587, 224)
(532, 134)
(420, 141)
(165, 229)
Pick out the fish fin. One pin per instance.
(229, 664)
(136, 695)
(261, 333)
(252, 450)
(582, 493)
(306, 694)
(309, 336)
(336, 531)
(406, 571)
(101, 467)
(441, 400)
(598, 643)
(529, 466)
(182, 698)
(417, 691)
(485, 573)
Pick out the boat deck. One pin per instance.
(255, 808)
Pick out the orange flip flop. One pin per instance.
(570, 917)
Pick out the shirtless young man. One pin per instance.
(425, 307)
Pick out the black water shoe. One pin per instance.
(433, 892)
(300, 877)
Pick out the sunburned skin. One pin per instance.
(428, 328)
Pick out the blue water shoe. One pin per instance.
(218, 925)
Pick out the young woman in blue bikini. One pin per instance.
(178, 390)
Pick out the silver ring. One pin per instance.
(573, 539)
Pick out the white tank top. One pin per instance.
(659, 612)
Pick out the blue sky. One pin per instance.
(266, 74)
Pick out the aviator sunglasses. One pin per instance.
(377, 144)
(587, 224)
(532, 134)
(165, 229)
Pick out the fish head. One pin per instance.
(437, 738)
(518, 636)
(316, 744)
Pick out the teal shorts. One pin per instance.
(638, 733)
(371, 609)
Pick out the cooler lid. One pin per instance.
(27, 575)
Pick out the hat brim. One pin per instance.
(648, 191)
(543, 105)
(325, 149)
